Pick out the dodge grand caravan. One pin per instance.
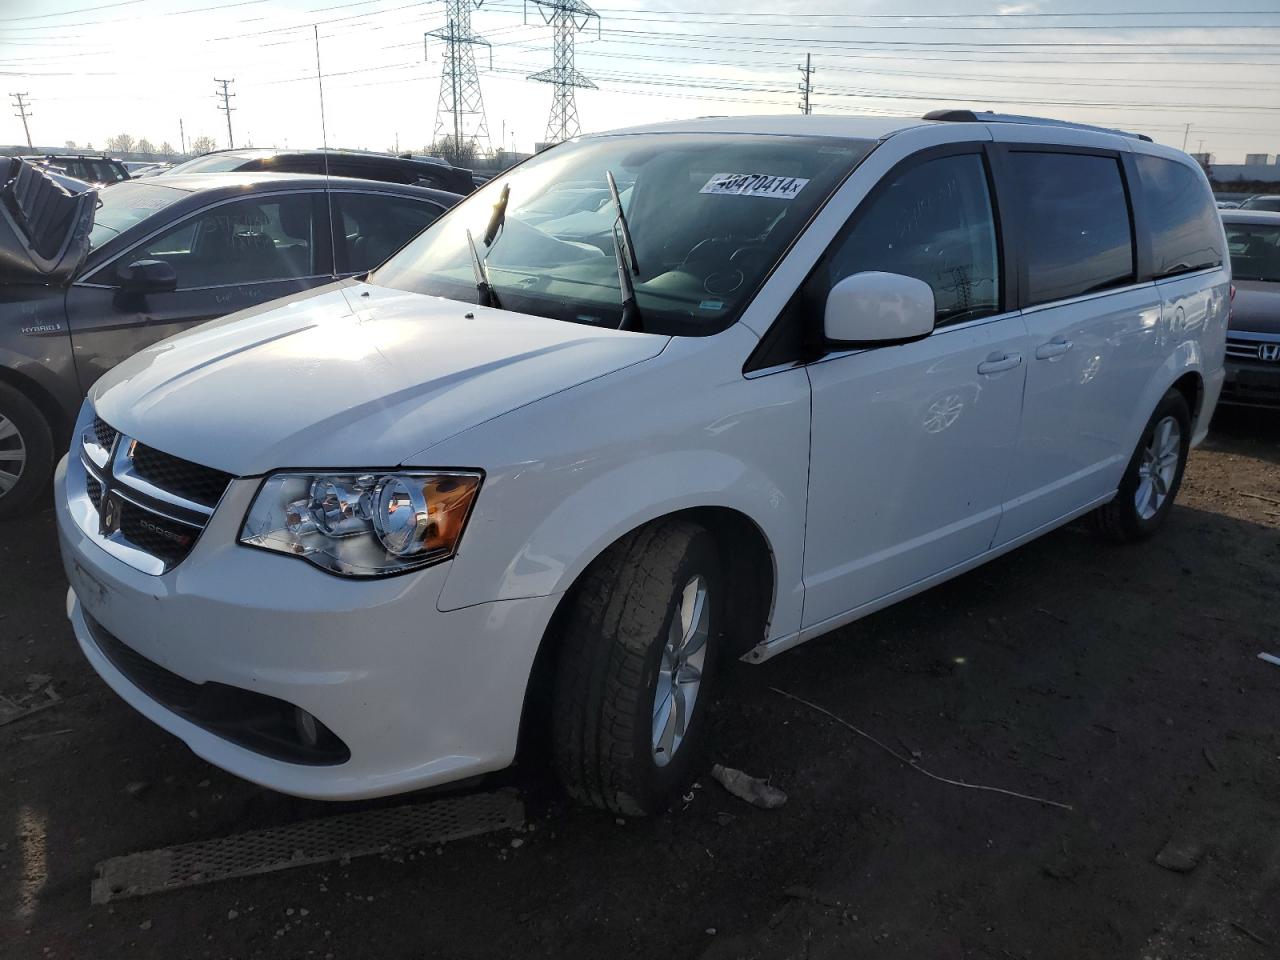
(348, 543)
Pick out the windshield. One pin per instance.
(1255, 251)
(126, 204)
(710, 215)
(212, 163)
(1261, 203)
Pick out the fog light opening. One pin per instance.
(308, 729)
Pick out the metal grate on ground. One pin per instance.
(308, 842)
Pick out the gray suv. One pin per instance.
(1253, 340)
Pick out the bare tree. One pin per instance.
(203, 144)
(145, 147)
(71, 145)
(166, 149)
(89, 147)
(459, 153)
(121, 143)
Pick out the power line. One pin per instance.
(226, 107)
(23, 112)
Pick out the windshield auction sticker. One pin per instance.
(754, 185)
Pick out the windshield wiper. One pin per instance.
(488, 296)
(625, 253)
(498, 217)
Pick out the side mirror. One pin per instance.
(148, 276)
(878, 308)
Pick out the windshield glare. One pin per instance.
(709, 215)
(1255, 251)
(125, 204)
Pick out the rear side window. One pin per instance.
(1185, 230)
(934, 222)
(374, 226)
(1076, 237)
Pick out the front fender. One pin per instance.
(567, 476)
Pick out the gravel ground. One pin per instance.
(1123, 681)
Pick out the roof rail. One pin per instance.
(986, 116)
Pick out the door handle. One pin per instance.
(999, 362)
(1054, 348)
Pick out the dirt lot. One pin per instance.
(1120, 680)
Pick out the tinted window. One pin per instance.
(374, 227)
(1261, 203)
(933, 222)
(1255, 251)
(1185, 233)
(1076, 236)
(239, 242)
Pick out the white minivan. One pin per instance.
(651, 400)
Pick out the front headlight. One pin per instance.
(362, 524)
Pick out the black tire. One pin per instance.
(36, 437)
(607, 675)
(1120, 519)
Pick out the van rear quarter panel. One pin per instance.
(1195, 310)
(570, 474)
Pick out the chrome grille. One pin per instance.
(1252, 347)
(145, 506)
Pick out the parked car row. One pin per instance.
(89, 280)
(650, 401)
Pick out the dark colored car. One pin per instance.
(90, 169)
(420, 171)
(87, 280)
(1253, 340)
(1270, 202)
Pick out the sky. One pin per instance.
(96, 68)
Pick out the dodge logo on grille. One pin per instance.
(1269, 351)
(109, 515)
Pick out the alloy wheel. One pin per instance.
(680, 672)
(1158, 468)
(13, 455)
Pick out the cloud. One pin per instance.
(1007, 8)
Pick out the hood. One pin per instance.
(1256, 308)
(44, 226)
(351, 376)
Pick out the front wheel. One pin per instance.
(636, 662)
(1151, 482)
(26, 453)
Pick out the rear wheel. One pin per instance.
(26, 453)
(635, 667)
(1151, 482)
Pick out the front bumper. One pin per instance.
(419, 697)
(1251, 383)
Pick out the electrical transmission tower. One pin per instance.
(460, 103)
(567, 17)
(226, 106)
(24, 111)
(806, 85)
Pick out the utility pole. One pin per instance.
(24, 107)
(567, 17)
(806, 85)
(226, 106)
(1185, 133)
(182, 136)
